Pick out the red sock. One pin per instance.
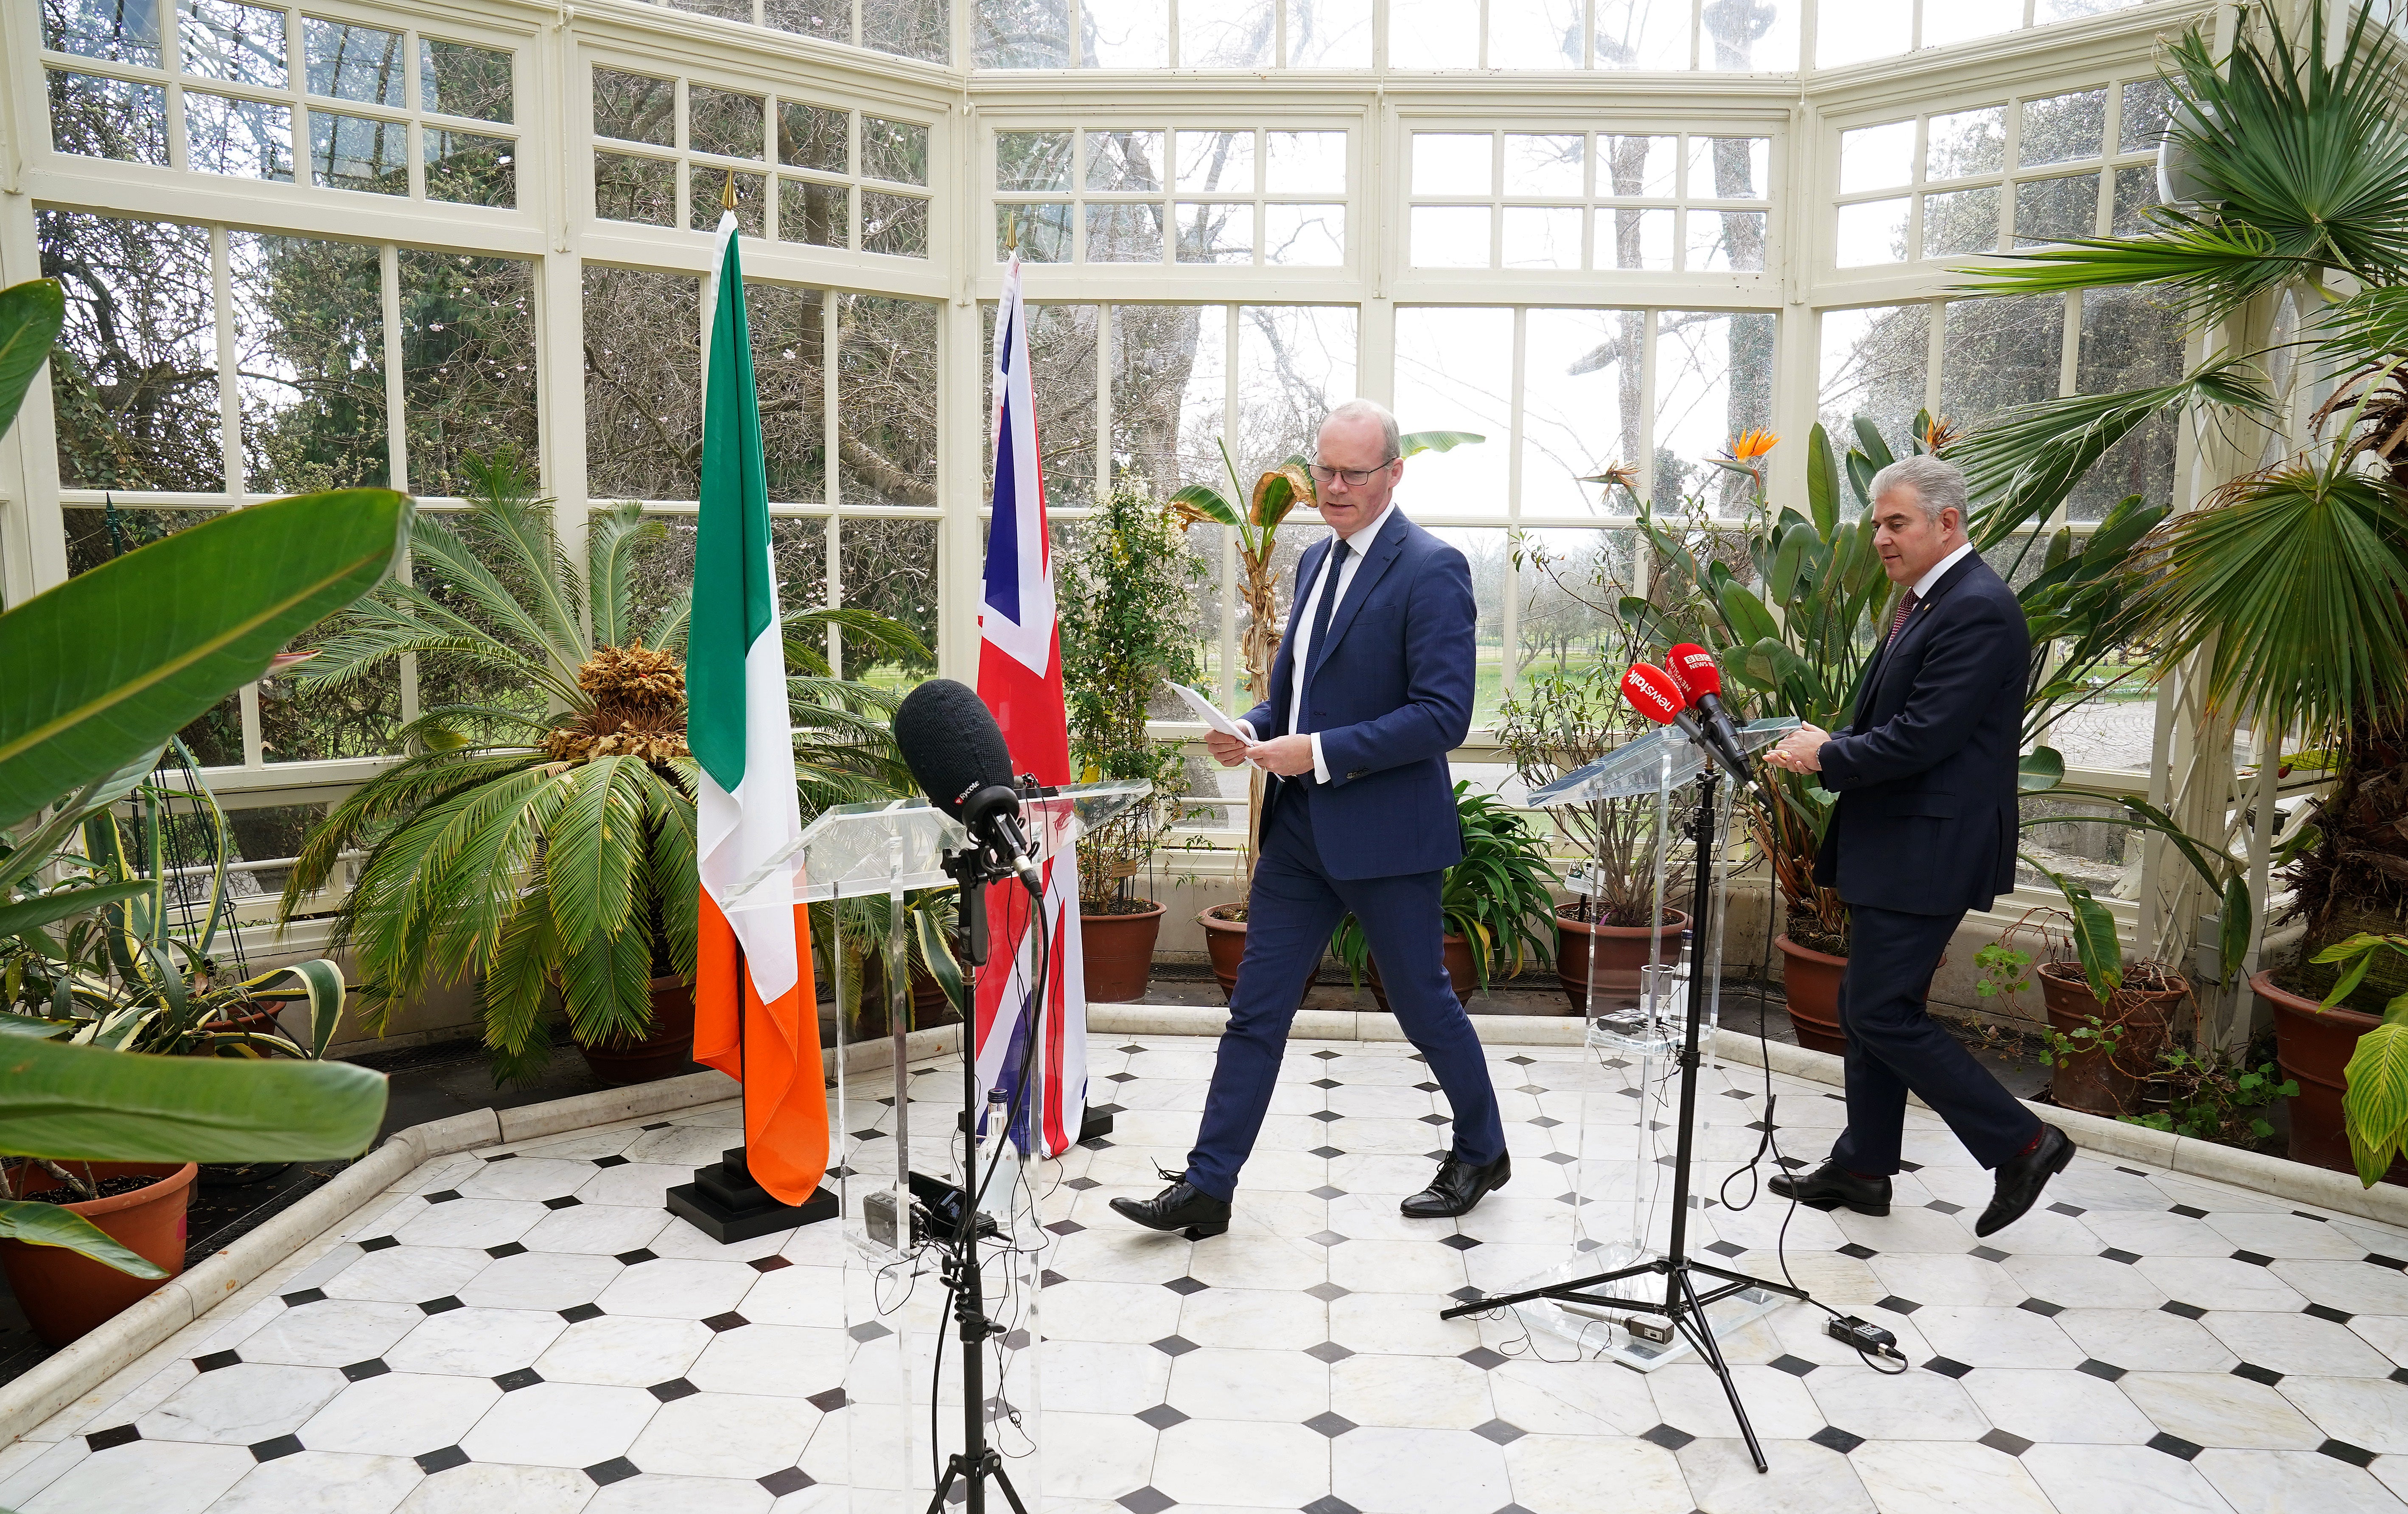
(2034, 1145)
(1869, 1177)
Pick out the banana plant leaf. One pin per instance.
(85, 1103)
(2040, 770)
(50, 1224)
(31, 314)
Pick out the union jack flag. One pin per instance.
(1020, 678)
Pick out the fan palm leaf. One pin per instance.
(615, 537)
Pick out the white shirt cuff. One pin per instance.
(1320, 763)
(1248, 727)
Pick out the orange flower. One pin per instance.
(1622, 475)
(1938, 432)
(1750, 445)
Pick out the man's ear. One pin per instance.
(1951, 522)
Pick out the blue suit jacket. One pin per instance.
(1389, 690)
(1925, 772)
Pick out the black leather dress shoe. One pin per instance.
(1457, 1186)
(1181, 1206)
(1830, 1186)
(2021, 1178)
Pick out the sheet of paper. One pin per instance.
(1206, 711)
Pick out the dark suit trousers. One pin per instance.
(1894, 1048)
(1295, 906)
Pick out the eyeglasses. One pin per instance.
(1355, 477)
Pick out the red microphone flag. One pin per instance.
(1694, 668)
(1655, 693)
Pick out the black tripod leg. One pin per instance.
(945, 1485)
(994, 1465)
(1700, 1332)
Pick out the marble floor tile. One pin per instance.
(2121, 1480)
(408, 1273)
(1100, 1378)
(2219, 1408)
(624, 1353)
(475, 1343)
(595, 1228)
(399, 1414)
(330, 1332)
(2359, 1411)
(639, 1184)
(1287, 1387)
(1103, 1456)
(772, 1361)
(2093, 1282)
(2288, 1236)
(541, 1280)
(481, 1487)
(471, 1222)
(654, 1494)
(1908, 1405)
(1242, 1462)
(323, 1482)
(1443, 1392)
(1689, 1397)
(1946, 1479)
(1805, 1479)
(1128, 1313)
(560, 1424)
(1418, 1471)
(2294, 1482)
(526, 1178)
(2145, 1340)
(2070, 1406)
(1581, 1474)
(1251, 1319)
(1398, 1322)
(2297, 1343)
(154, 1477)
(1397, 1267)
(1996, 1337)
(724, 1435)
(243, 1405)
(2354, 1287)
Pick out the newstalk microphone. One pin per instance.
(1663, 698)
(956, 753)
(1693, 666)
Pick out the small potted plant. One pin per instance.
(1488, 901)
(2100, 1052)
(1126, 608)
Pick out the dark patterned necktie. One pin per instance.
(1329, 599)
(1905, 608)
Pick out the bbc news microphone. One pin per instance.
(1663, 698)
(1693, 666)
(956, 753)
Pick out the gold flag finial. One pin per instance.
(728, 192)
(1011, 230)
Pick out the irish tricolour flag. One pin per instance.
(755, 1016)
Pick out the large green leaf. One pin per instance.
(94, 1106)
(1822, 481)
(1750, 621)
(45, 909)
(50, 1224)
(31, 314)
(2234, 929)
(1205, 504)
(134, 649)
(2041, 769)
(318, 982)
(2374, 1103)
(1420, 441)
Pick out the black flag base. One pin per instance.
(726, 1205)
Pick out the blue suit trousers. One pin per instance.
(1295, 906)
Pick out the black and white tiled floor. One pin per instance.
(524, 1330)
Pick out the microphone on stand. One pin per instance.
(956, 753)
(1663, 698)
(1693, 667)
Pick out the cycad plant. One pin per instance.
(546, 851)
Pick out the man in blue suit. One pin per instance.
(1371, 688)
(1924, 829)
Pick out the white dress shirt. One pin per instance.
(1922, 589)
(1299, 632)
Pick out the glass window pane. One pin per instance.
(1553, 166)
(809, 136)
(122, 31)
(830, 20)
(225, 39)
(1652, 35)
(894, 224)
(1453, 163)
(1485, 553)
(1964, 220)
(457, 79)
(1873, 231)
(1730, 167)
(2144, 115)
(1543, 236)
(2053, 210)
(1634, 239)
(1227, 34)
(2131, 339)
(920, 29)
(723, 122)
(1966, 143)
(1713, 380)
(1757, 38)
(889, 568)
(1450, 237)
(1433, 34)
(1725, 241)
(1865, 29)
(660, 579)
(1043, 230)
(1873, 364)
(1330, 34)
(1032, 160)
(470, 170)
(93, 537)
(1222, 161)
(635, 108)
(468, 365)
(1455, 372)
(815, 214)
(1580, 408)
(790, 373)
(2136, 191)
(1997, 353)
(358, 152)
(643, 383)
(895, 150)
(1214, 233)
(1571, 583)
(2046, 11)
(133, 375)
(94, 117)
(1125, 34)
(239, 139)
(1298, 162)
(355, 63)
(1020, 33)
(1296, 363)
(309, 320)
(1534, 34)
(1062, 364)
(1124, 233)
(706, 198)
(886, 403)
(1961, 21)
(1119, 161)
(1314, 235)
(1169, 386)
(629, 187)
(2062, 127)
(1876, 157)
(1638, 167)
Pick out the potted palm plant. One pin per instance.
(549, 855)
(1125, 609)
(1489, 903)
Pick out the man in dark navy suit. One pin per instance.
(1924, 829)
(1371, 688)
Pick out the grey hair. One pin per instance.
(1936, 485)
(1357, 409)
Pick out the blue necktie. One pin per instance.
(1321, 611)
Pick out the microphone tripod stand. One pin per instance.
(1684, 1305)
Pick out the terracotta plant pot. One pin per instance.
(1621, 950)
(1461, 971)
(663, 1052)
(1811, 982)
(2093, 1081)
(65, 1295)
(1225, 942)
(1117, 952)
(2314, 1045)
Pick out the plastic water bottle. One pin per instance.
(998, 1163)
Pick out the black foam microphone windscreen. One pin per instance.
(950, 740)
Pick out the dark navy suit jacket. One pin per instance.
(1389, 690)
(1925, 772)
